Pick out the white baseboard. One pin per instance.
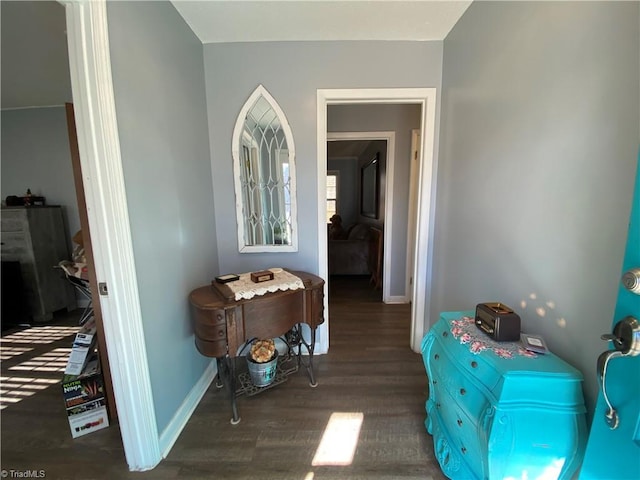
(397, 299)
(171, 433)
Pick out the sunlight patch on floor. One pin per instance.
(53, 361)
(42, 335)
(339, 440)
(7, 352)
(14, 389)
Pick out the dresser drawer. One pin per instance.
(15, 246)
(454, 464)
(463, 434)
(456, 383)
(13, 221)
(459, 349)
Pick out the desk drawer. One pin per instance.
(211, 332)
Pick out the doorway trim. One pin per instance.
(390, 138)
(103, 180)
(413, 205)
(422, 269)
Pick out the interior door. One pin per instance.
(93, 281)
(613, 448)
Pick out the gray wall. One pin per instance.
(158, 79)
(292, 72)
(35, 155)
(33, 54)
(348, 204)
(538, 151)
(401, 119)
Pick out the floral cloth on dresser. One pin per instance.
(465, 330)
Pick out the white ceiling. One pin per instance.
(35, 64)
(292, 20)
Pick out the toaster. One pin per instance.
(498, 321)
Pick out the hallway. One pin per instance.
(369, 370)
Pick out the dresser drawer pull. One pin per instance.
(463, 391)
(436, 356)
(459, 422)
(474, 364)
(219, 317)
(221, 333)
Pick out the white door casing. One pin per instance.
(413, 204)
(422, 271)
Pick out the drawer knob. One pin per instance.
(221, 334)
(436, 356)
(474, 364)
(459, 422)
(219, 317)
(463, 391)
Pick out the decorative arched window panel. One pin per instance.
(265, 177)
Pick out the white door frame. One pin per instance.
(421, 291)
(103, 180)
(413, 206)
(390, 138)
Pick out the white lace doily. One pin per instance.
(245, 288)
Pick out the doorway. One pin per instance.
(361, 146)
(422, 267)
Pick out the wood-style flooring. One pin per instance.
(370, 369)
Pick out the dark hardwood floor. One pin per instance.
(369, 370)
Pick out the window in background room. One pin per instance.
(333, 180)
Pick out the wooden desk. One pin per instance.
(224, 325)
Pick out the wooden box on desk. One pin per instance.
(262, 276)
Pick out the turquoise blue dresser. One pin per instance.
(497, 411)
